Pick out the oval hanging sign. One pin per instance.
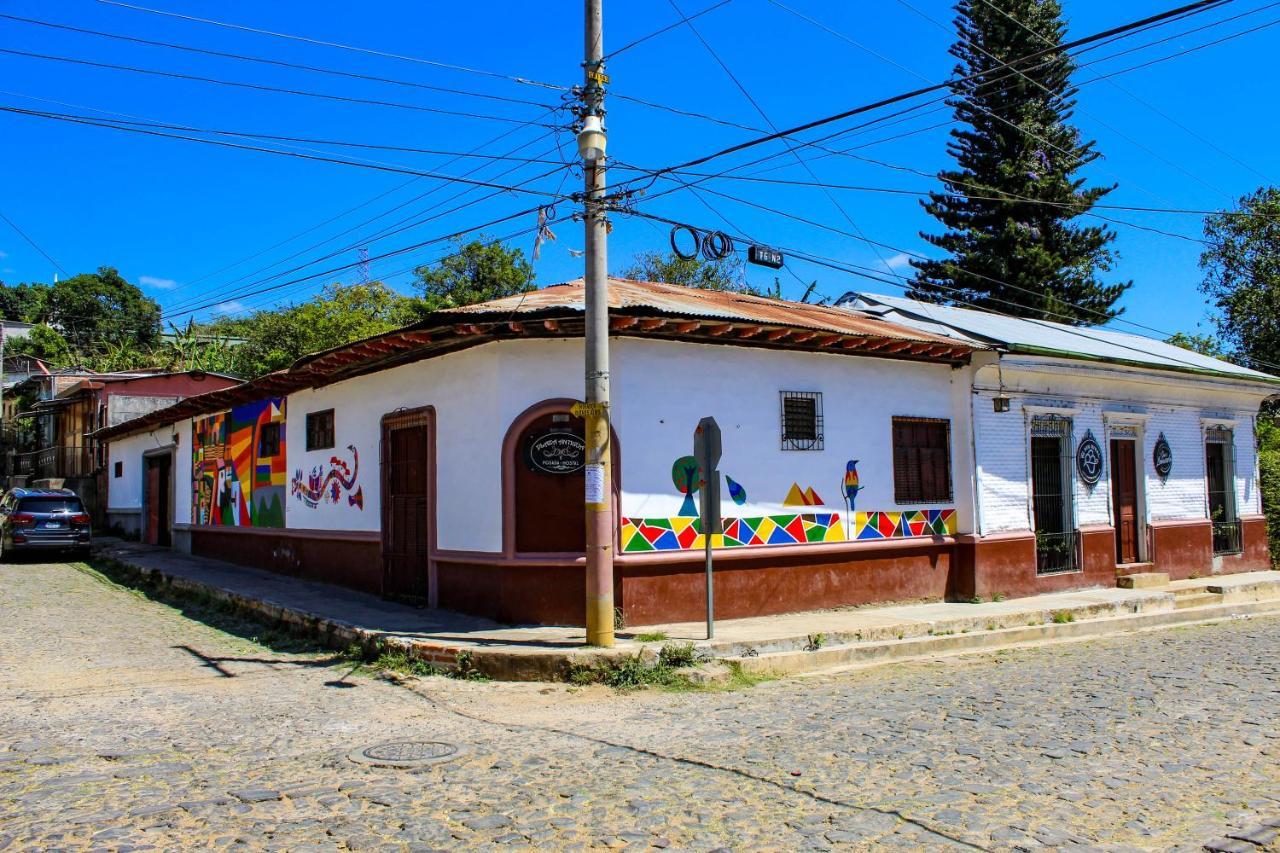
(1089, 460)
(1162, 457)
(556, 453)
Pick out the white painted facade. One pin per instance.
(661, 389)
(1106, 399)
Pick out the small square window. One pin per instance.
(801, 420)
(269, 440)
(320, 430)
(118, 471)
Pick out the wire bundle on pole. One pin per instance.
(711, 245)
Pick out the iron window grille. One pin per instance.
(921, 460)
(801, 420)
(1219, 450)
(269, 440)
(1051, 490)
(320, 430)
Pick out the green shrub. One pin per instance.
(676, 655)
(1061, 617)
(1269, 485)
(652, 636)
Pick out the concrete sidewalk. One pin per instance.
(788, 643)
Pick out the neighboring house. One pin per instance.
(442, 462)
(81, 402)
(1097, 449)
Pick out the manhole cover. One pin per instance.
(406, 753)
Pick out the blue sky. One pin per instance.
(1193, 132)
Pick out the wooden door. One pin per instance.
(1124, 497)
(406, 511)
(548, 506)
(159, 470)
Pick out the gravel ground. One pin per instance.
(125, 724)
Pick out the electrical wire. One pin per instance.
(34, 244)
(275, 62)
(258, 87)
(668, 28)
(321, 43)
(107, 123)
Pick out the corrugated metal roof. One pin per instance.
(637, 308)
(1018, 334)
(627, 294)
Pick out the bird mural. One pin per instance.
(851, 487)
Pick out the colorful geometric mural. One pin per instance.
(685, 534)
(238, 466)
(321, 486)
(802, 497)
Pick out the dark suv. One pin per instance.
(43, 520)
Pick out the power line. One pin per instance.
(1171, 14)
(107, 123)
(34, 244)
(276, 62)
(759, 109)
(319, 42)
(258, 87)
(395, 228)
(867, 272)
(666, 29)
(1203, 139)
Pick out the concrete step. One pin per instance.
(1143, 580)
(1196, 599)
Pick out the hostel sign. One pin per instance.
(557, 453)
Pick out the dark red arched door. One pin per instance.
(549, 485)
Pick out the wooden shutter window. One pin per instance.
(320, 430)
(921, 460)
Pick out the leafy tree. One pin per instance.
(94, 310)
(274, 339)
(1203, 344)
(478, 271)
(43, 342)
(1008, 207)
(688, 272)
(1242, 276)
(24, 303)
(1242, 280)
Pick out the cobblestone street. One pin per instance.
(126, 725)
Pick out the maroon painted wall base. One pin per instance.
(350, 559)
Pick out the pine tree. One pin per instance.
(1009, 207)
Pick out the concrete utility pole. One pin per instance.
(599, 492)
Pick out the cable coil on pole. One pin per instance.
(711, 245)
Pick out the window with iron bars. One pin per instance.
(801, 420)
(1051, 487)
(1219, 452)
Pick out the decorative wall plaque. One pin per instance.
(1162, 457)
(1089, 460)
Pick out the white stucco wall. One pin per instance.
(477, 393)
(663, 389)
(126, 491)
(1154, 403)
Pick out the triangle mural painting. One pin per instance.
(683, 533)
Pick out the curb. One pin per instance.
(779, 656)
(867, 654)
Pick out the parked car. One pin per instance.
(43, 520)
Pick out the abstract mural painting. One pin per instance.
(321, 486)
(684, 534)
(238, 466)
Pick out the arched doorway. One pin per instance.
(545, 454)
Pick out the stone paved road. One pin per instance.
(125, 725)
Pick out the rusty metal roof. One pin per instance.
(629, 296)
(636, 308)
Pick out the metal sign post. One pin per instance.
(706, 449)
